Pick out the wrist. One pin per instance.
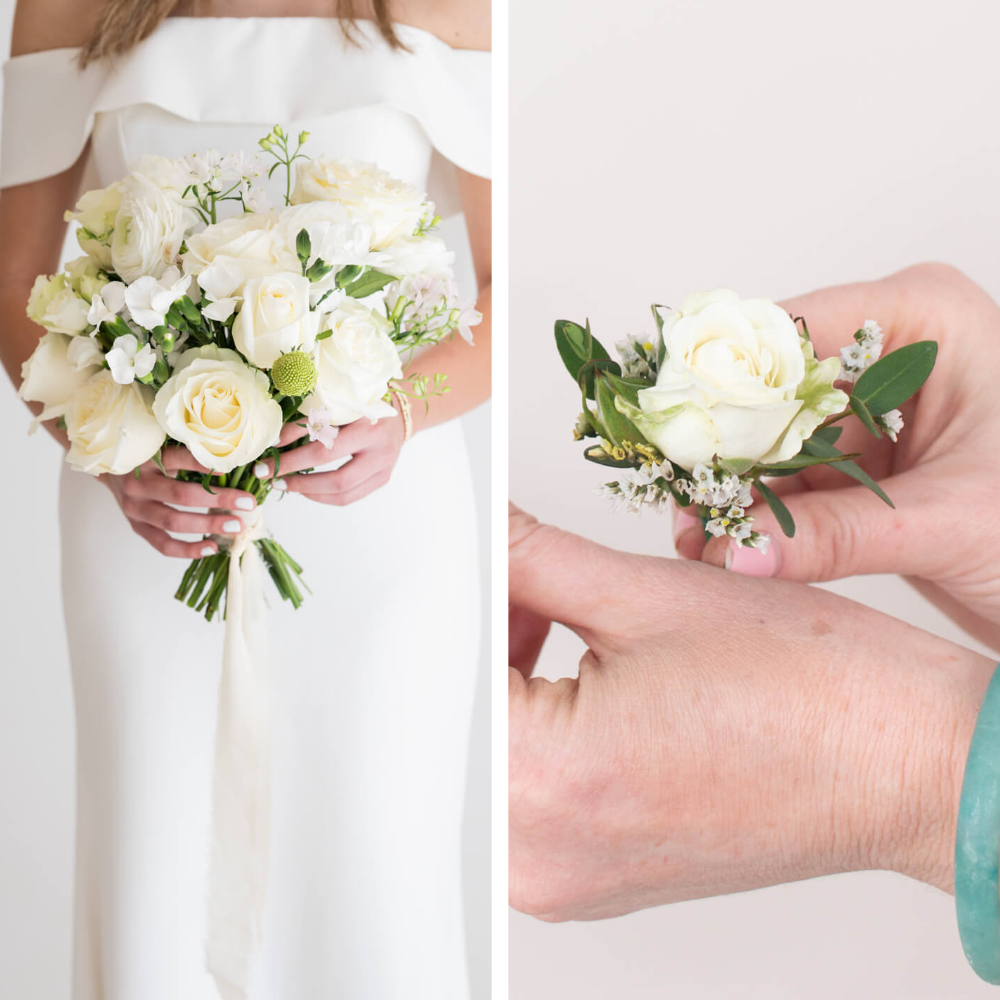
(911, 749)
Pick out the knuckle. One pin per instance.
(173, 520)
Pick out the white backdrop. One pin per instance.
(36, 714)
(663, 146)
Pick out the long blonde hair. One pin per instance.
(124, 23)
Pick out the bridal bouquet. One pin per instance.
(729, 394)
(182, 327)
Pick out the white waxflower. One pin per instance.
(864, 352)
(149, 300)
(891, 423)
(107, 303)
(128, 361)
(634, 364)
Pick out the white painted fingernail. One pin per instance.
(208, 551)
(245, 503)
(280, 484)
(260, 470)
(234, 527)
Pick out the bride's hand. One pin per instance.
(939, 476)
(724, 733)
(374, 450)
(150, 500)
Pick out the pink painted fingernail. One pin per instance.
(749, 561)
(684, 520)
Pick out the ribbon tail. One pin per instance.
(240, 788)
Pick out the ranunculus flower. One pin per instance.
(96, 212)
(250, 242)
(110, 426)
(354, 366)
(85, 277)
(54, 305)
(391, 207)
(149, 229)
(738, 381)
(274, 318)
(217, 406)
(50, 376)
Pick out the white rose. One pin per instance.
(50, 376)
(335, 235)
(149, 229)
(737, 382)
(418, 255)
(274, 319)
(54, 305)
(249, 242)
(96, 212)
(110, 426)
(391, 207)
(354, 365)
(217, 406)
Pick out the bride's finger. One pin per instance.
(292, 432)
(309, 456)
(173, 547)
(180, 522)
(177, 458)
(318, 485)
(179, 494)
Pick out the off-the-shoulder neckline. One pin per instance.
(360, 21)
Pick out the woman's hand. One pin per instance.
(941, 476)
(374, 450)
(724, 733)
(150, 500)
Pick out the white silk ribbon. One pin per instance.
(241, 782)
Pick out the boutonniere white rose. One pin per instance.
(728, 394)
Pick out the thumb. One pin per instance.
(838, 533)
(562, 577)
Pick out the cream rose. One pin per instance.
(737, 382)
(354, 365)
(251, 243)
(110, 426)
(392, 208)
(149, 229)
(51, 376)
(54, 305)
(217, 406)
(274, 318)
(96, 212)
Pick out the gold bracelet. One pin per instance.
(404, 412)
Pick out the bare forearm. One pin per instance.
(468, 368)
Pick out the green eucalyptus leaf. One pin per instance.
(629, 387)
(862, 413)
(827, 434)
(619, 428)
(801, 461)
(784, 516)
(852, 469)
(369, 283)
(892, 380)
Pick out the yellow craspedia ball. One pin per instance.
(294, 374)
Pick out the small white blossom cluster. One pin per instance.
(637, 489)
(891, 423)
(634, 355)
(864, 352)
(726, 497)
(428, 304)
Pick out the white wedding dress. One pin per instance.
(373, 677)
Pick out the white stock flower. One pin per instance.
(50, 377)
(110, 426)
(107, 303)
(354, 365)
(391, 207)
(54, 305)
(336, 236)
(128, 361)
(149, 299)
(149, 229)
(418, 255)
(96, 212)
(274, 319)
(219, 407)
(737, 382)
(249, 241)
